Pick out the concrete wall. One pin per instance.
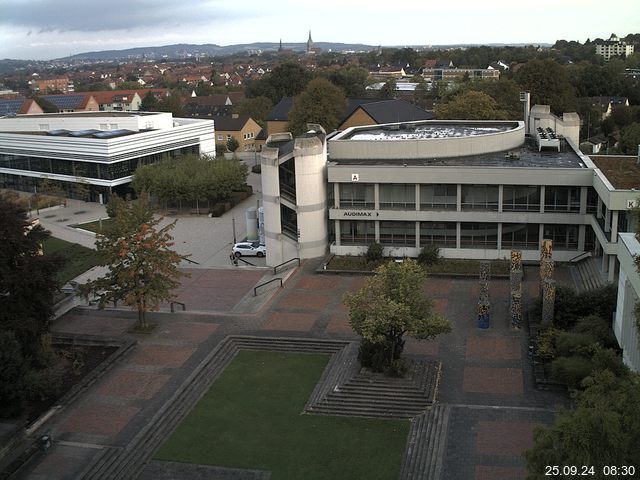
(568, 126)
(85, 121)
(628, 292)
(429, 147)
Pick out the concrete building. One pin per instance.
(614, 47)
(99, 149)
(624, 324)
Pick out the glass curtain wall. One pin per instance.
(399, 234)
(399, 196)
(439, 234)
(519, 198)
(438, 197)
(357, 195)
(478, 235)
(480, 197)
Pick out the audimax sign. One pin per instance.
(356, 213)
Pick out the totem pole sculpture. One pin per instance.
(547, 284)
(515, 280)
(484, 307)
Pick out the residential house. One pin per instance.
(607, 104)
(62, 84)
(278, 117)
(241, 127)
(19, 106)
(74, 102)
(613, 47)
(118, 100)
(372, 112)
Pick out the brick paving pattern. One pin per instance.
(486, 375)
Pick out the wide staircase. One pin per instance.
(587, 274)
(371, 394)
(424, 455)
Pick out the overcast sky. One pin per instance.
(46, 29)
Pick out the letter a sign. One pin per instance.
(355, 177)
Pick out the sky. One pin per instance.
(48, 29)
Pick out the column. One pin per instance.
(582, 234)
(417, 197)
(542, 195)
(459, 199)
(500, 200)
(612, 268)
(377, 230)
(500, 235)
(337, 232)
(417, 234)
(614, 226)
(336, 195)
(458, 230)
(583, 200)
(376, 197)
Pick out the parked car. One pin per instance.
(249, 249)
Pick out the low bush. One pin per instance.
(571, 370)
(374, 252)
(597, 327)
(377, 357)
(546, 347)
(429, 255)
(569, 343)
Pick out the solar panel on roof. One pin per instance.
(113, 133)
(65, 101)
(60, 132)
(83, 133)
(10, 106)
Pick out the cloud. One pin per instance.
(91, 16)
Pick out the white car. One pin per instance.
(249, 249)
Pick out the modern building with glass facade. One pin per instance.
(101, 149)
(475, 189)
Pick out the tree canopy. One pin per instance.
(142, 267)
(286, 80)
(471, 105)
(321, 102)
(392, 304)
(603, 430)
(191, 178)
(549, 84)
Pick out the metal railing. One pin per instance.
(582, 256)
(255, 289)
(275, 269)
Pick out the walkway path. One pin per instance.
(486, 384)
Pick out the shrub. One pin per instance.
(597, 327)
(569, 343)
(546, 347)
(571, 370)
(609, 359)
(429, 255)
(374, 252)
(13, 369)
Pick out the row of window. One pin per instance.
(103, 171)
(473, 197)
(472, 234)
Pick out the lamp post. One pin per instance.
(233, 226)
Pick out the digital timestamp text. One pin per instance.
(570, 471)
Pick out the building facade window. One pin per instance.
(357, 233)
(521, 235)
(480, 197)
(592, 201)
(478, 235)
(399, 196)
(519, 198)
(565, 237)
(439, 234)
(438, 197)
(399, 234)
(562, 199)
(357, 195)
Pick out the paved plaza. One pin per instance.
(486, 381)
(486, 374)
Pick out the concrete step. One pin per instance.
(424, 454)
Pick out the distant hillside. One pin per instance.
(184, 49)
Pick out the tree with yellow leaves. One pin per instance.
(142, 267)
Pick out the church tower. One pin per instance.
(309, 44)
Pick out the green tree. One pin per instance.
(286, 80)
(390, 305)
(471, 105)
(27, 278)
(630, 139)
(257, 108)
(388, 90)
(142, 267)
(603, 430)
(352, 79)
(321, 102)
(149, 102)
(172, 104)
(549, 84)
(233, 144)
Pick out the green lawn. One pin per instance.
(76, 258)
(94, 226)
(251, 418)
